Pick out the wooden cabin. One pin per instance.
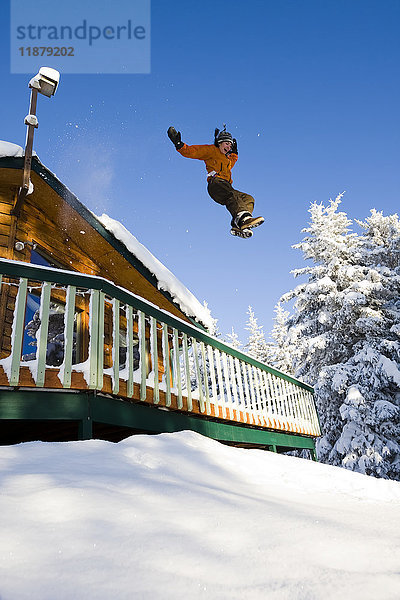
(94, 344)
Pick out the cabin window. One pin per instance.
(41, 257)
(55, 336)
(123, 342)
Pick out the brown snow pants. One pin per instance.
(223, 193)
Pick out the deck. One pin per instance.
(77, 349)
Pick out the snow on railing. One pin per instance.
(83, 324)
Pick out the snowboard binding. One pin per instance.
(242, 233)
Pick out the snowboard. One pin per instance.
(253, 222)
(242, 233)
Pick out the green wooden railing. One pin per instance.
(140, 348)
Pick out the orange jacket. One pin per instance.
(214, 159)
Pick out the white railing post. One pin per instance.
(66, 367)
(115, 345)
(100, 352)
(259, 396)
(247, 396)
(234, 386)
(167, 366)
(227, 378)
(142, 354)
(213, 381)
(154, 358)
(187, 372)
(205, 376)
(239, 379)
(221, 397)
(42, 333)
(198, 375)
(274, 404)
(253, 407)
(17, 332)
(129, 351)
(93, 337)
(268, 405)
(177, 365)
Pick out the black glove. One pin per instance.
(175, 137)
(234, 149)
(216, 132)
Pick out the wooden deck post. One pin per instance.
(85, 428)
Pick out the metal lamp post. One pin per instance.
(46, 83)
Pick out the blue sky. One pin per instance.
(310, 89)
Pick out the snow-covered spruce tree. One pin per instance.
(344, 337)
(214, 328)
(232, 339)
(314, 338)
(316, 333)
(370, 440)
(281, 356)
(257, 346)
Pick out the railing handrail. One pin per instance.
(41, 273)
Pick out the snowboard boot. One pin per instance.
(244, 220)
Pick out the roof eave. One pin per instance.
(10, 162)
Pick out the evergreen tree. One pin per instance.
(233, 340)
(317, 331)
(370, 440)
(214, 328)
(281, 357)
(344, 337)
(257, 345)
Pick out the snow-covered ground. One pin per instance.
(180, 516)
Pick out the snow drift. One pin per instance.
(180, 516)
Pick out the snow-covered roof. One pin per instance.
(9, 149)
(165, 279)
(13, 150)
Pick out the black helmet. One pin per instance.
(222, 136)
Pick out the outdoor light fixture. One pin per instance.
(46, 83)
(19, 246)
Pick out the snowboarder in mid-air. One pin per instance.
(219, 158)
